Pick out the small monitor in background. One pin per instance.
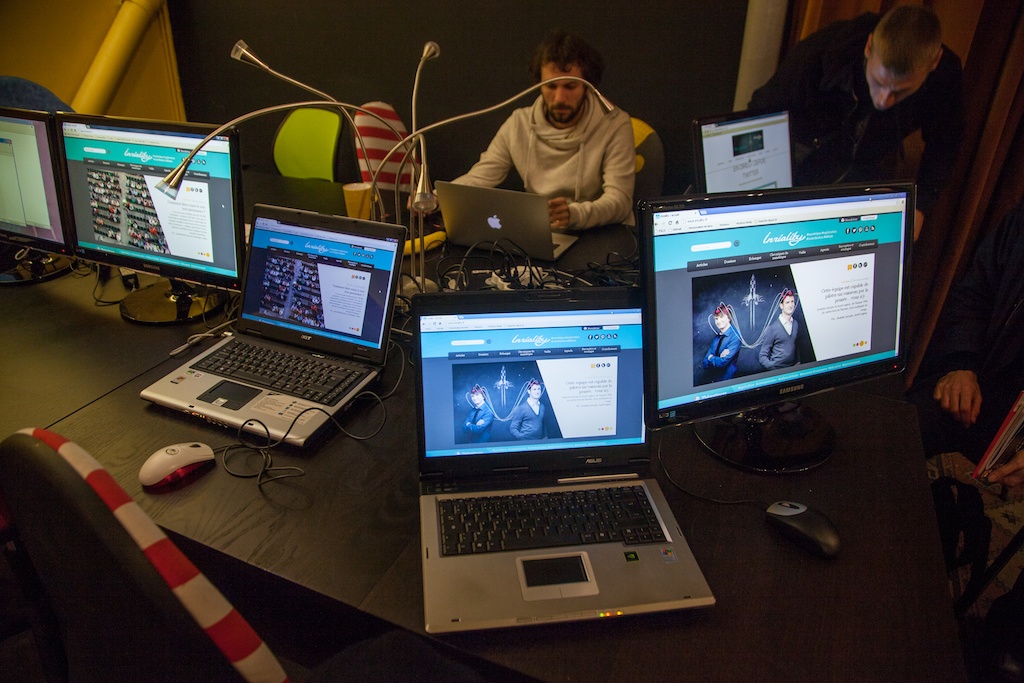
(32, 199)
(743, 151)
(119, 218)
(756, 300)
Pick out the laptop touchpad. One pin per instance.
(549, 577)
(229, 395)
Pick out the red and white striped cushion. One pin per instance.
(379, 140)
(229, 631)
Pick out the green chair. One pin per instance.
(307, 144)
(650, 161)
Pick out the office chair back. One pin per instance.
(25, 94)
(378, 140)
(128, 604)
(650, 161)
(306, 143)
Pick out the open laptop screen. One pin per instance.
(324, 282)
(743, 151)
(531, 381)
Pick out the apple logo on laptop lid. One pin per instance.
(494, 222)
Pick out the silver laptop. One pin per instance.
(319, 292)
(484, 215)
(742, 151)
(530, 407)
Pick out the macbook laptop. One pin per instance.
(313, 330)
(536, 501)
(474, 215)
(743, 150)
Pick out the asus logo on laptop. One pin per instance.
(594, 461)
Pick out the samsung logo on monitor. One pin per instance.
(790, 390)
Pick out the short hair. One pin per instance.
(907, 38)
(565, 49)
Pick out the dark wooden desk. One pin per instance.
(61, 351)
(346, 533)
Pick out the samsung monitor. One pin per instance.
(742, 151)
(194, 242)
(755, 300)
(33, 243)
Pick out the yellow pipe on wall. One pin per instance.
(114, 56)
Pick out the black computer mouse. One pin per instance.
(809, 528)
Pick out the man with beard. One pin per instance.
(565, 146)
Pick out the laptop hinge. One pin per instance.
(597, 477)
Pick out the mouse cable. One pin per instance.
(267, 471)
(197, 338)
(392, 344)
(707, 499)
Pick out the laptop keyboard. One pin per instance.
(302, 376)
(544, 520)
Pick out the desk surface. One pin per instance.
(347, 532)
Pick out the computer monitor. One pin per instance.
(742, 151)
(119, 218)
(755, 300)
(32, 199)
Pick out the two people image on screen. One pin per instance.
(527, 420)
(777, 344)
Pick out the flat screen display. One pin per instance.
(31, 189)
(756, 298)
(743, 151)
(120, 218)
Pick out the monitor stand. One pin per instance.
(170, 302)
(36, 267)
(778, 439)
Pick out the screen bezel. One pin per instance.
(591, 460)
(699, 172)
(175, 271)
(376, 355)
(786, 389)
(59, 182)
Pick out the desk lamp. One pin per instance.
(423, 200)
(241, 52)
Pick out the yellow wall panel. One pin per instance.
(54, 42)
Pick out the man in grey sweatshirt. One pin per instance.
(565, 146)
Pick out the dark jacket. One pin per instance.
(837, 133)
(981, 327)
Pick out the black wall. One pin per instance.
(665, 62)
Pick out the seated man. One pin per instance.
(565, 146)
(974, 368)
(857, 88)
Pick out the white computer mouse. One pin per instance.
(173, 463)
